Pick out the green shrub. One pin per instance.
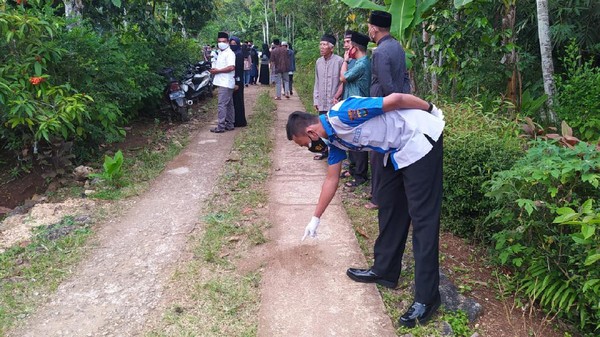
(577, 95)
(549, 234)
(475, 146)
(34, 106)
(79, 84)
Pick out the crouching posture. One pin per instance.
(408, 130)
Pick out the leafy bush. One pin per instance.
(79, 84)
(476, 145)
(549, 234)
(33, 105)
(577, 94)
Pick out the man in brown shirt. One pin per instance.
(281, 65)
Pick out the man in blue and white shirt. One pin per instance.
(408, 131)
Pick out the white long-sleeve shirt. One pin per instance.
(360, 124)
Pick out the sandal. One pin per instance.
(345, 174)
(352, 183)
(371, 206)
(321, 156)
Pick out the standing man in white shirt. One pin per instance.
(410, 140)
(224, 73)
(327, 79)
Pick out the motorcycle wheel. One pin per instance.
(183, 113)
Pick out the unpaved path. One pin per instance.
(304, 290)
(114, 291)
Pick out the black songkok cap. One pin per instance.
(348, 33)
(360, 39)
(381, 19)
(329, 38)
(222, 35)
(276, 42)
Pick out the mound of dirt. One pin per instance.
(17, 227)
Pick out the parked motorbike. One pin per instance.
(174, 95)
(197, 82)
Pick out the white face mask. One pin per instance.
(223, 45)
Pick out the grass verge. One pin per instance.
(32, 270)
(211, 295)
(37, 267)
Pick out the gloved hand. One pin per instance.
(437, 112)
(311, 228)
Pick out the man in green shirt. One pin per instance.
(356, 76)
(357, 81)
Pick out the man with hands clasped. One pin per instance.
(408, 132)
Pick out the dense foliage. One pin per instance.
(549, 217)
(476, 145)
(578, 95)
(78, 82)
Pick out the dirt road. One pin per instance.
(304, 292)
(116, 288)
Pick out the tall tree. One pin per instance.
(546, 53)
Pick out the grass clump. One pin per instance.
(212, 297)
(28, 270)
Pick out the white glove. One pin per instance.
(437, 112)
(311, 228)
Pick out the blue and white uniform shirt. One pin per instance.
(360, 124)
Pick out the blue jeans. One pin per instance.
(286, 83)
(247, 76)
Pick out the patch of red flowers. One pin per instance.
(36, 80)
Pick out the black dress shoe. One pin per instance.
(419, 312)
(368, 276)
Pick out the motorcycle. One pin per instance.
(174, 95)
(197, 82)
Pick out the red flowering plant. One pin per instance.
(32, 107)
(35, 80)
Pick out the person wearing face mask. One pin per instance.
(327, 79)
(408, 132)
(356, 78)
(238, 90)
(224, 71)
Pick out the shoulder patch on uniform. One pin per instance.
(357, 113)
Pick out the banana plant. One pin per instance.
(407, 15)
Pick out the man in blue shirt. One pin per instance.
(356, 76)
(407, 131)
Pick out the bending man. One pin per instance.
(411, 183)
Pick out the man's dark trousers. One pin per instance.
(359, 165)
(411, 194)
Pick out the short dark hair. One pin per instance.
(297, 122)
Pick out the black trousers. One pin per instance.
(238, 106)
(359, 165)
(411, 195)
(376, 167)
(291, 82)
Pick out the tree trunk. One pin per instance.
(546, 52)
(266, 26)
(510, 58)
(73, 9)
